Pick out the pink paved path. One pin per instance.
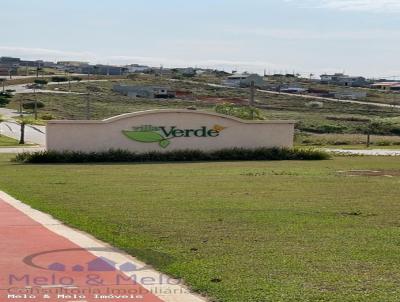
(21, 236)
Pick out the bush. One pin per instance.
(172, 156)
(31, 105)
(47, 117)
(4, 101)
(41, 81)
(5, 98)
(322, 127)
(76, 78)
(243, 112)
(314, 104)
(59, 79)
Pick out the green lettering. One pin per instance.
(168, 133)
(213, 133)
(201, 132)
(178, 133)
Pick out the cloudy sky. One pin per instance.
(305, 36)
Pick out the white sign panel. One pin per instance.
(163, 130)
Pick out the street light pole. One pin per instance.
(88, 105)
(252, 96)
(35, 107)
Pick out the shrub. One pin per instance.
(76, 78)
(5, 98)
(243, 112)
(31, 105)
(59, 79)
(47, 117)
(314, 104)
(5, 94)
(172, 156)
(41, 81)
(4, 101)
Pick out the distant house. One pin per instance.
(151, 92)
(245, 80)
(350, 95)
(343, 80)
(10, 61)
(135, 68)
(103, 70)
(28, 63)
(295, 90)
(7, 71)
(72, 63)
(386, 86)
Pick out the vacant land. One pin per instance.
(313, 117)
(243, 231)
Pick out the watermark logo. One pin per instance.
(65, 274)
(163, 134)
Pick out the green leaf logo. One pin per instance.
(147, 137)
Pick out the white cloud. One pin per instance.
(389, 6)
(303, 34)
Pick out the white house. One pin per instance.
(136, 68)
(245, 80)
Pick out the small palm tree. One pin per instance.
(23, 122)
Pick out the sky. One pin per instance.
(358, 37)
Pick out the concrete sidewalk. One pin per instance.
(43, 260)
(371, 152)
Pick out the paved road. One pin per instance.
(34, 76)
(21, 150)
(67, 262)
(375, 152)
(33, 134)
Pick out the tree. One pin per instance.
(5, 98)
(59, 79)
(40, 81)
(76, 78)
(3, 81)
(31, 104)
(24, 122)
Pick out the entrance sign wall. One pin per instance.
(164, 130)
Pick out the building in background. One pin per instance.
(395, 86)
(151, 92)
(136, 68)
(344, 80)
(103, 70)
(245, 80)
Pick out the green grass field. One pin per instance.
(8, 141)
(243, 231)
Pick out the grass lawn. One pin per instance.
(242, 231)
(6, 141)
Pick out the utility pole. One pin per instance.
(88, 105)
(37, 69)
(88, 101)
(69, 80)
(252, 96)
(252, 93)
(35, 107)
